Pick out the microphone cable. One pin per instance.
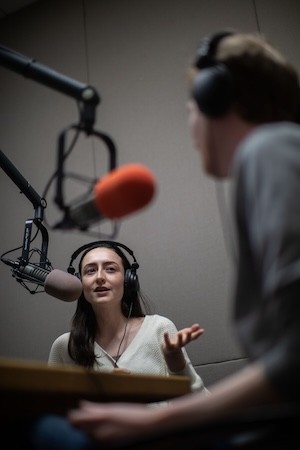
(36, 267)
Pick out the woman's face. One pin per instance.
(102, 276)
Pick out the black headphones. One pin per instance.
(131, 282)
(213, 86)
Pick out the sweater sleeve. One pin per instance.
(197, 384)
(59, 351)
(189, 370)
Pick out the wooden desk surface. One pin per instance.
(30, 387)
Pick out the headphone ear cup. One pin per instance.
(71, 270)
(213, 90)
(131, 282)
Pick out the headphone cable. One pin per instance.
(123, 337)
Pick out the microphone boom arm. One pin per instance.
(29, 68)
(24, 258)
(39, 205)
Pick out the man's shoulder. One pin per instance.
(273, 133)
(267, 142)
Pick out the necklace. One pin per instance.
(123, 337)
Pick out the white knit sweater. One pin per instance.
(143, 355)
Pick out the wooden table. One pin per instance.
(32, 387)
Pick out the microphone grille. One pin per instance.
(63, 285)
(124, 190)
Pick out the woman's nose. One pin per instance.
(100, 275)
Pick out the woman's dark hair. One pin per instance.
(83, 325)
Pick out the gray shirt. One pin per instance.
(267, 299)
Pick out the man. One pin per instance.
(242, 116)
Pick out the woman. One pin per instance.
(110, 328)
(111, 331)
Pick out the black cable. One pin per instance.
(124, 334)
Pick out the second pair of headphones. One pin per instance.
(131, 281)
(213, 88)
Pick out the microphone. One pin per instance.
(119, 193)
(58, 284)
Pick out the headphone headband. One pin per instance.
(205, 54)
(98, 243)
(213, 88)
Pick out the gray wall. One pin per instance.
(135, 53)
